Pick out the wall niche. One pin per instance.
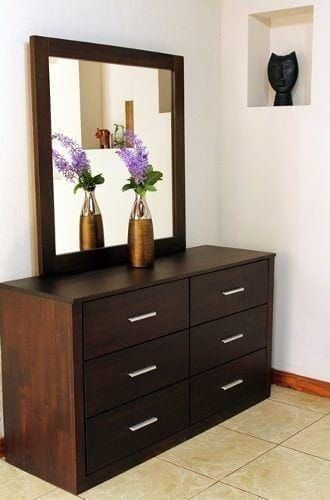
(281, 32)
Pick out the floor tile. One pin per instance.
(151, 480)
(216, 452)
(224, 492)
(272, 421)
(16, 484)
(301, 399)
(283, 474)
(58, 494)
(314, 440)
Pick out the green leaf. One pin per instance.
(85, 176)
(140, 190)
(88, 182)
(98, 179)
(150, 187)
(154, 177)
(78, 186)
(127, 187)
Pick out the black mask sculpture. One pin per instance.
(282, 74)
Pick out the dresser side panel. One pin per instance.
(38, 386)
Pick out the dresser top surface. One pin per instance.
(109, 281)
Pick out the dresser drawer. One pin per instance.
(225, 339)
(120, 377)
(120, 432)
(228, 388)
(229, 291)
(128, 319)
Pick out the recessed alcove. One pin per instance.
(281, 32)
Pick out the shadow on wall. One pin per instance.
(30, 160)
(283, 302)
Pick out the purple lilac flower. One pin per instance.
(135, 158)
(72, 161)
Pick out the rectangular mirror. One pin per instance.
(94, 103)
(92, 94)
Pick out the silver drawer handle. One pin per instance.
(142, 316)
(232, 339)
(232, 384)
(143, 424)
(142, 371)
(232, 292)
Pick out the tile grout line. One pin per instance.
(44, 494)
(245, 491)
(274, 445)
(203, 491)
(248, 463)
(220, 482)
(301, 430)
(232, 472)
(222, 424)
(280, 445)
(247, 434)
(296, 406)
(304, 452)
(224, 484)
(187, 469)
(230, 430)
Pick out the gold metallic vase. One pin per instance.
(91, 224)
(141, 245)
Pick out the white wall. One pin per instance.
(187, 27)
(65, 97)
(91, 102)
(274, 187)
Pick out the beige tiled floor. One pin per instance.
(272, 421)
(277, 450)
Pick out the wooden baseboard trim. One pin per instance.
(300, 383)
(2, 447)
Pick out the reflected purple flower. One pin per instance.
(136, 157)
(72, 160)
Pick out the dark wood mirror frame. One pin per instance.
(41, 49)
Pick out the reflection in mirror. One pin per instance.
(94, 103)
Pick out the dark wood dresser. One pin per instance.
(104, 369)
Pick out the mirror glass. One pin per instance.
(94, 104)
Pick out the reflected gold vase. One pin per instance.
(141, 245)
(91, 224)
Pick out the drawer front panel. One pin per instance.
(128, 319)
(228, 387)
(223, 340)
(120, 377)
(120, 432)
(229, 291)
